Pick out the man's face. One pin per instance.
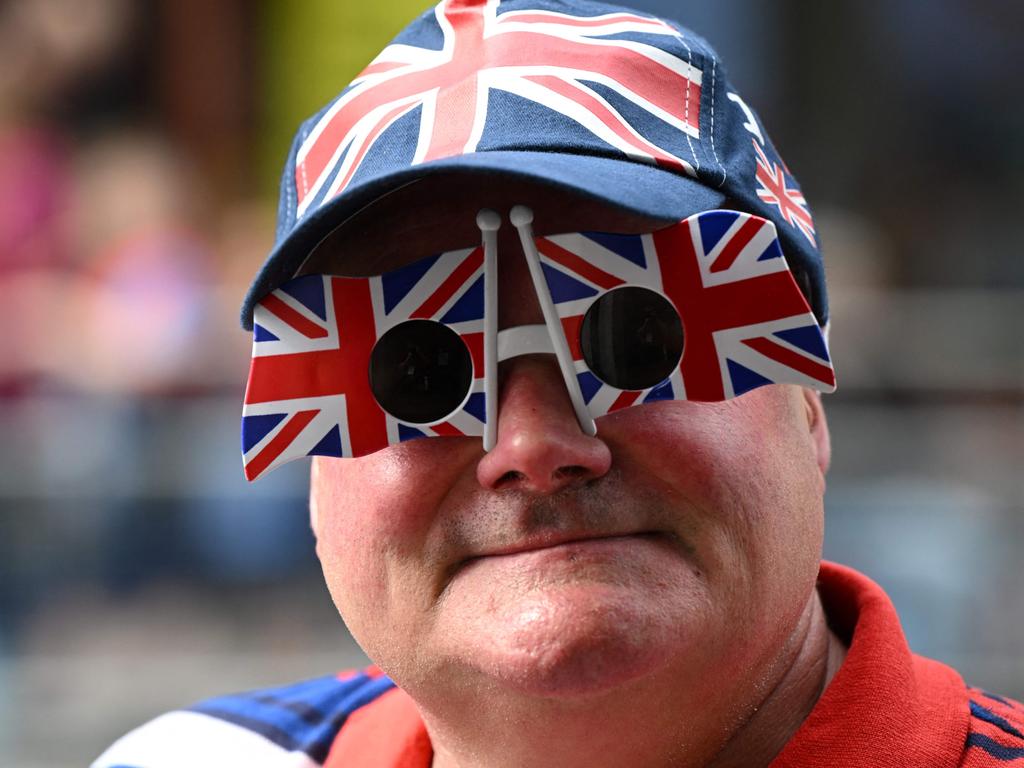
(683, 538)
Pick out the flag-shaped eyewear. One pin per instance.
(705, 309)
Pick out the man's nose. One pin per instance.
(540, 446)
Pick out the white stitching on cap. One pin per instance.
(725, 174)
(305, 181)
(293, 195)
(686, 110)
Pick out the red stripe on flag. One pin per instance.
(575, 21)
(681, 279)
(792, 359)
(303, 325)
(444, 429)
(292, 428)
(624, 400)
(301, 374)
(382, 124)
(736, 244)
(475, 343)
(367, 425)
(381, 66)
(578, 265)
(571, 327)
(631, 70)
(611, 119)
(454, 281)
(458, 104)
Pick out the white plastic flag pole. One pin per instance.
(489, 221)
(522, 219)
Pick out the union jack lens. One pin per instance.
(420, 371)
(632, 338)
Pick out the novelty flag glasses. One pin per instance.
(705, 309)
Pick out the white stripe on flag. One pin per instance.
(178, 739)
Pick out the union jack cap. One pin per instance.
(612, 103)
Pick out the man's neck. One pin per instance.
(610, 734)
(777, 719)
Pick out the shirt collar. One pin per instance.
(885, 706)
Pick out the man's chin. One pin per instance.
(573, 641)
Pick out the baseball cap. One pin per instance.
(609, 103)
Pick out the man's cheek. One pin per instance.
(366, 497)
(357, 581)
(692, 442)
(373, 517)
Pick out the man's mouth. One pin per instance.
(549, 548)
(556, 549)
(559, 539)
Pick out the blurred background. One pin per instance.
(140, 146)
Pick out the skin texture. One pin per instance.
(641, 597)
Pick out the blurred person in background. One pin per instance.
(110, 282)
(43, 59)
(101, 226)
(147, 271)
(648, 594)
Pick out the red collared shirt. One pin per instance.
(885, 707)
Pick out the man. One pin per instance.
(562, 583)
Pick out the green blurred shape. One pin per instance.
(308, 51)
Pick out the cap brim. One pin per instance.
(633, 186)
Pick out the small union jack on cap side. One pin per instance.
(601, 100)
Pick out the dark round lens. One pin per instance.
(632, 338)
(420, 371)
